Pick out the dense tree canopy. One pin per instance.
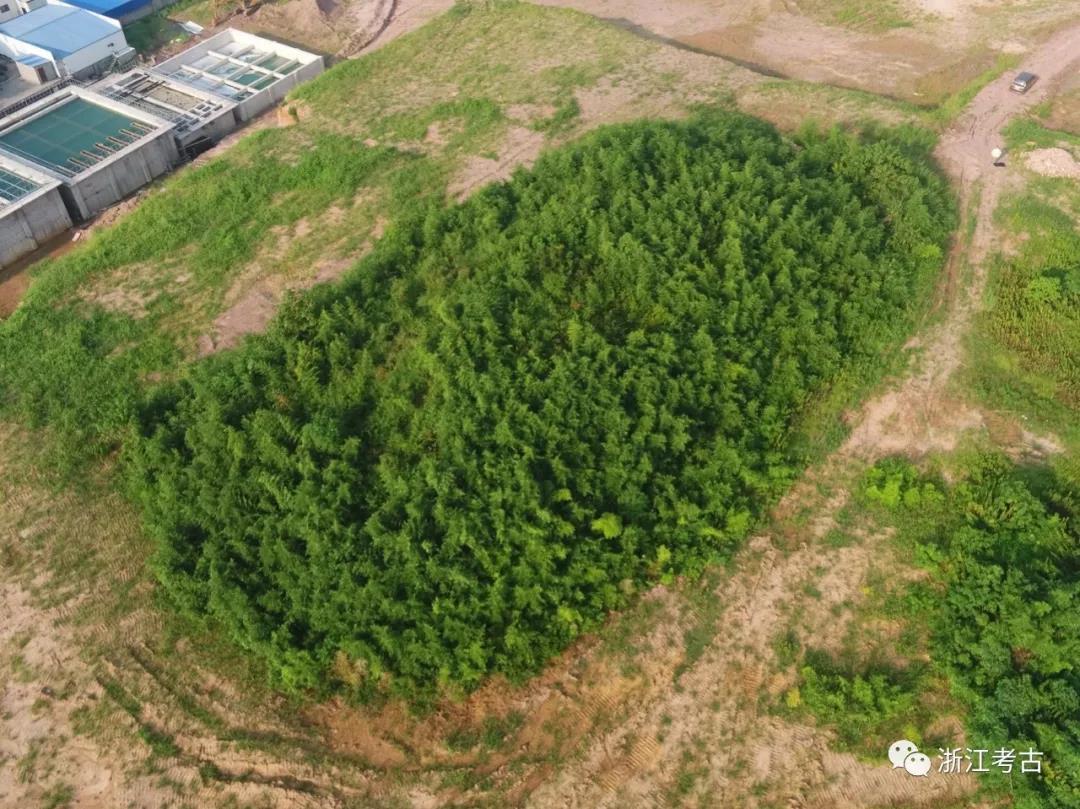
(521, 407)
(1007, 620)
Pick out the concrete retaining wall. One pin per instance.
(264, 99)
(214, 129)
(112, 180)
(30, 223)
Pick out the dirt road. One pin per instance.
(917, 417)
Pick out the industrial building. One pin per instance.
(198, 117)
(32, 210)
(68, 150)
(250, 71)
(124, 11)
(100, 150)
(58, 40)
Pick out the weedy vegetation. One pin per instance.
(997, 618)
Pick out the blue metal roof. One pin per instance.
(33, 60)
(60, 29)
(111, 8)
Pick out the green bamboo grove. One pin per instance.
(518, 410)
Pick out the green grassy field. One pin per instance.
(154, 31)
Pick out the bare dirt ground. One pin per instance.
(1065, 109)
(38, 701)
(15, 278)
(408, 15)
(1054, 162)
(334, 28)
(83, 700)
(718, 713)
(13, 285)
(256, 296)
(331, 27)
(521, 147)
(941, 45)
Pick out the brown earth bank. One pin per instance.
(15, 278)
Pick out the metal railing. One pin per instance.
(44, 92)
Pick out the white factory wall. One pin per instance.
(214, 43)
(214, 127)
(78, 63)
(119, 175)
(101, 51)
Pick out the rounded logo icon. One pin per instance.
(900, 750)
(917, 764)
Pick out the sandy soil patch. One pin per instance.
(363, 23)
(408, 15)
(520, 147)
(1053, 162)
(46, 683)
(718, 714)
(15, 279)
(299, 21)
(665, 84)
(796, 47)
(781, 38)
(64, 638)
(255, 296)
(1064, 113)
(629, 94)
(330, 27)
(114, 213)
(46, 696)
(326, 26)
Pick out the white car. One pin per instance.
(1023, 81)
